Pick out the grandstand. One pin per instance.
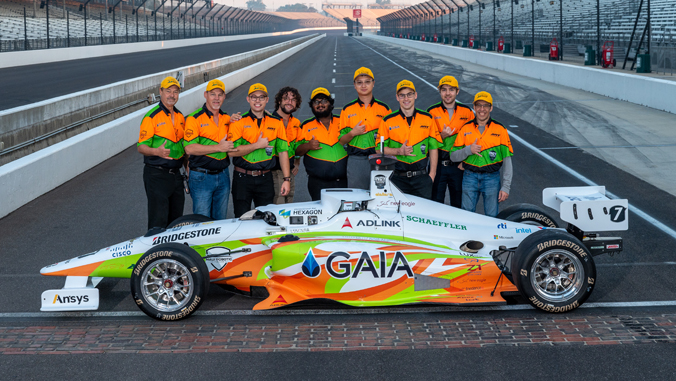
(310, 19)
(369, 15)
(67, 23)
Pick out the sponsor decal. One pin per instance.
(523, 230)
(423, 148)
(184, 312)
(351, 116)
(393, 127)
(186, 235)
(379, 223)
(492, 154)
(468, 133)
(310, 268)
(305, 212)
(119, 250)
(495, 134)
(347, 224)
(590, 280)
(280, 301)
(365, 264)
(615, 246)
(409, 204)
(435, 223)
(285, 213)
(71, 299)
(247, 126)
(551, 308)
(299, 230)
(348, 205)
(380, 181)
(161, 124)
(502, 225)
(144, 133)
(464, 118)
(501, 237)
(537, 217)
(618, 213)
(268, 151)
(204, 124)
(381, 194)
(424, 126)
(144, 261)
(562, 242)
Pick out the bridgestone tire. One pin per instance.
(169, 281)
(528, 214)
(553, 270)
(189, 220)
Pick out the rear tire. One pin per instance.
(554, 271)
(170, 281)
(528, 214)
(189, 219)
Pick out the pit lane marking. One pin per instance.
(370, 311)
(648, 218)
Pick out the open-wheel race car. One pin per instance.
(377, 247)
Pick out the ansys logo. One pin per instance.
(72, 299)
(310, 268)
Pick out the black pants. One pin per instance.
(315, 186)
(420, 185)
(448, 177)
(165, 196)
(247, 188)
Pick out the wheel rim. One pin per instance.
(557, 275)
(167, 285)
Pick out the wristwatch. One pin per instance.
(287, 179)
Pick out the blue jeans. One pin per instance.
(210, 194)
(485, 184)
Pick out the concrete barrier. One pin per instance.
(27, 178)
(41, 56)
(651, 92)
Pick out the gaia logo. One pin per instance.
(285, 213)
(310, 267)
(492, 155)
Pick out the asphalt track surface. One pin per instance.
(33, 83)
(106, 205)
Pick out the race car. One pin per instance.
(364, 248)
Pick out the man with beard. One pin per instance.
(360, 120)
(410, 135)
(259, 138)
(484, 147)
(449, 116)
(287, 101)
(325, 158)
(205, 140)
(160, 144)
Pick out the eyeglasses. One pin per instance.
(406, 95)
(482, 106)
(362, 83)
(261, 98)
(320, 102)
(289, 99)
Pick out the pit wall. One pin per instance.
(31, 176)
(651, 92)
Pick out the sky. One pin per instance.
(274, 4)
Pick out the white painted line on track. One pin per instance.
(651, 220)
(350, 311)
(333, 80)
(334, 70)
(334, 64)
(629, 264)
(514, 126)
(634, 146)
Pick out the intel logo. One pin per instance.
(520, 230)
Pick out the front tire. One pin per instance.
(170, 281)
(189, 219)
(528, 214)
(554, 271)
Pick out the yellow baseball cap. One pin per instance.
(258, 87)
(168, 82)
(363, 71)
(448, 80)
(405, 83)
(483, 96)
(215, 84)
(320, 90)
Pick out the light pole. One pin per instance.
(135, 11)
(112, 9)
(84, 6)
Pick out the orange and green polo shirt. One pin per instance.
(200, 128)
(248, 129)
(371, 115)
(461, 115)
(422, 134)
(329, 162)
(494, 142)
(157, 129)
(292, 131)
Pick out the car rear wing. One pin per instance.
(588, 208)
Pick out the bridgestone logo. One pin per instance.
(184, 312)
(551, 308)
(538, 217)
(139, 266)
(186, 235)
(562, 242)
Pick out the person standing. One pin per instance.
(325, 158)
(411, 136)
(205, 140)
(260, 142)
(287, 101)
(449, 116)
(484, 147)
(160, 143)
(360, 120)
